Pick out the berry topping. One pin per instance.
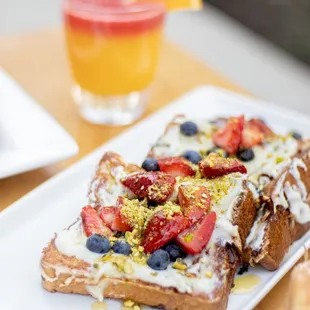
(120, 222)
(296, 135)
(159, 260)
(194, 239)
(174, 251)
(156, 186)
(251, 135)
(195, 201)
(229, 137)
(261, 126)
(218, 151)
(176, 166)
(161, 228)
(121, 247)
(150, 164)
(107, 214)
(245, 154)
(98, 244)
(92, 223)
(215, 166)
(189, 129)
(192, 156)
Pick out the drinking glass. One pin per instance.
(113, 49)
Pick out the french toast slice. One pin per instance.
(69, 267)
(272, 156)
(284, 216)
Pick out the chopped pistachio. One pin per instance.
(129, 303)
(188, 237)
(279, 160)
(179, 266)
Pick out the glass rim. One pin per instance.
(123, 9)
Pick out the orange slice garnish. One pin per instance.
(173, 5)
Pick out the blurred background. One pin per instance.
(262, 45)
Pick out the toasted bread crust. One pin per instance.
(104, 177)
(244, 214)
(172, 123)
(277, 239)
(281, 227)
(140, 292)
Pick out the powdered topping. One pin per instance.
(292, 196)
(174, 143)
(271, 159)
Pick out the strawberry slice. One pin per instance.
(92, 223)
(261, 126)
(229, 137)
(107, 214)
(195, 201)
(216, 166)
(156, 186)
(120, 222)
(251, 136)
(161, 229)
(194, 239)
(176, 166)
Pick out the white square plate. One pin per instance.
(29, 137)
(27, 226)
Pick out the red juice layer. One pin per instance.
(113, 20)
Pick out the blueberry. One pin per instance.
(122, 247)
(189, 129)
(159, 260)
(296, 135)
(245, 154)
(98, 244)
(150, 164)
(192, 156)
(218, 151)
(174, 251)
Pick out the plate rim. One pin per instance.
(69, 146)
(90, 157)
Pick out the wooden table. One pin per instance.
(38, 63)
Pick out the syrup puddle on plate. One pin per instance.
(99, 305)
(245, 283)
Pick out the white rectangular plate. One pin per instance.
(27, 226)
(29, 137)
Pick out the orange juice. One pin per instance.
(113, 48)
